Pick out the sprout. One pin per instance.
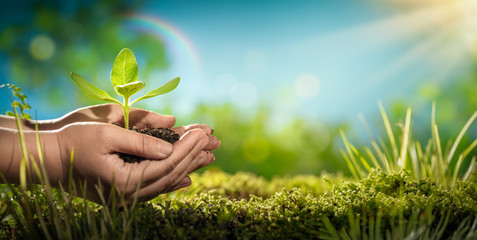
(124, 77)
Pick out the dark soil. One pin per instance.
(162, 133)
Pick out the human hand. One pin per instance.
(113, 113)
(96, 160)
(90, 121)
(104, 113)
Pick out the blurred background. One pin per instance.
(275, 79)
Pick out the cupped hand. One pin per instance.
(96, 159)
(113, 113)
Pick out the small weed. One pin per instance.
(22, 104)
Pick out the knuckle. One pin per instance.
(169, 168)
(148, 145)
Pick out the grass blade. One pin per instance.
(389, 131)
(459, 137)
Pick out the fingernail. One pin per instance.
(165, 148)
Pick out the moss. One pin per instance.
(244, 206)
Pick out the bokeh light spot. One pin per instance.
(255, 149)
(42, 47)
(225, 84)
(256, 60)
(307, 86)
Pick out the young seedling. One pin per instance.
(124, 79)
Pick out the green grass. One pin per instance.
(401, 151)
(376, 206)
(400, 190)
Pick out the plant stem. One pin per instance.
(24, 164)
(126, 107)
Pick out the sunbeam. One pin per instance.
(439, 40)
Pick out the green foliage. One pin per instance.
(378, 206)
(124, 77)
(241, 185)
(252, 143)
(440, 165)
(22, 104)
(456, 101)
(91, 31)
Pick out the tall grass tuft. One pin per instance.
(43, 212)
(422, 224)
(401, 151)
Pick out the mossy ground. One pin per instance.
(244, 206)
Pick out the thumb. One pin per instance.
(142, 118)
(138, 144)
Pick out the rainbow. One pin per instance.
(171, 36)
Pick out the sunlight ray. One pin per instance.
(382, 33)
(443, 31)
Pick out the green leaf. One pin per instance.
(124, 68)
(167, 87)
(129, 89)
(90, 90)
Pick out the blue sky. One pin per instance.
(321, 59)
(261, 49)
(326, 59)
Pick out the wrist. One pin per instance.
(49, 153)
(47, 158)
(9, 147)
(55, 159)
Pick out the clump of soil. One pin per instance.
(165, 134)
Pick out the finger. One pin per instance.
(183, 129)
(214, 143)
(210, 160)
(202, 159)
(175, 166)
(185, 182)
(147, 119)
(137, 144)
(199, 159)
(184, 151)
